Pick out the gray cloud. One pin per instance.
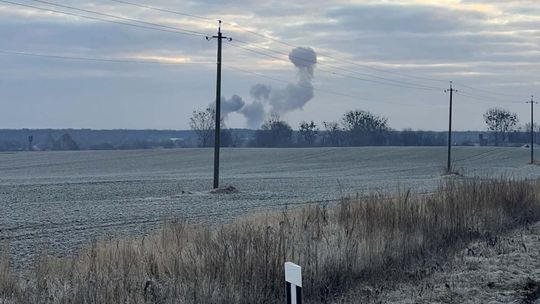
(482, 44)
(405, 18)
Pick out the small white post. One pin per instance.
(293, 282)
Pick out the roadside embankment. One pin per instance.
(363, 241)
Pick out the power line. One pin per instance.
(159, 9)
(129, 61)
(163, 10)
(285, 81)
(485, 99)
(489, 92)
(341, 59)
(348, 70)
(64, 57)
(385, 81)
(279, 41)
(399, 83)
(122, 18)
(489, 98)
(329, 91)
(165, 28)
(339, 74)
(417, 86)
(389, 72)
(328, 56)
(99, 19)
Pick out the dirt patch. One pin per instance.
(225, 190)
(451, 174)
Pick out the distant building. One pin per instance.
(178, 142)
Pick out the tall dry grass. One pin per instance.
(360, 239)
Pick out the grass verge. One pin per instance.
(362, 239)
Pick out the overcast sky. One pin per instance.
(393, 58)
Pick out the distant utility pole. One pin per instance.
(449, 162)
(532, 102)
(30, 143)
(217, 136)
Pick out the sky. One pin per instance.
(392, 58)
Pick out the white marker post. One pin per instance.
(293, 279)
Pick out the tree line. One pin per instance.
(355, 128)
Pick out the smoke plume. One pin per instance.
(234, 104)
(305, 60)
(260, 92)
(254, 113)
(267, 99)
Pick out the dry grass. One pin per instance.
(505, 270)
(361, 239)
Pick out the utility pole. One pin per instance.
(449, 162)
(217, 113)
(532, 102)
(30, 143)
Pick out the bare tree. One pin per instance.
(202, 122)
(332, 133)
(364, 121)
(500, 122)
(274, 132)
(363, 127)
(308, 131)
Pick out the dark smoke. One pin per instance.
(304, 59)
(254, 113)
(260, 92)
(234, 104)
(293, 96)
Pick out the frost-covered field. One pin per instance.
(61, 200)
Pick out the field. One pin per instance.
(63, 200)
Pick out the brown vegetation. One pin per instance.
(497, 270)
(361, 239)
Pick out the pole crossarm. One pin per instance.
(219, 36)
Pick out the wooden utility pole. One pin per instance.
(30, 143)
(532, 102)
(217, 113)
(449, 162)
